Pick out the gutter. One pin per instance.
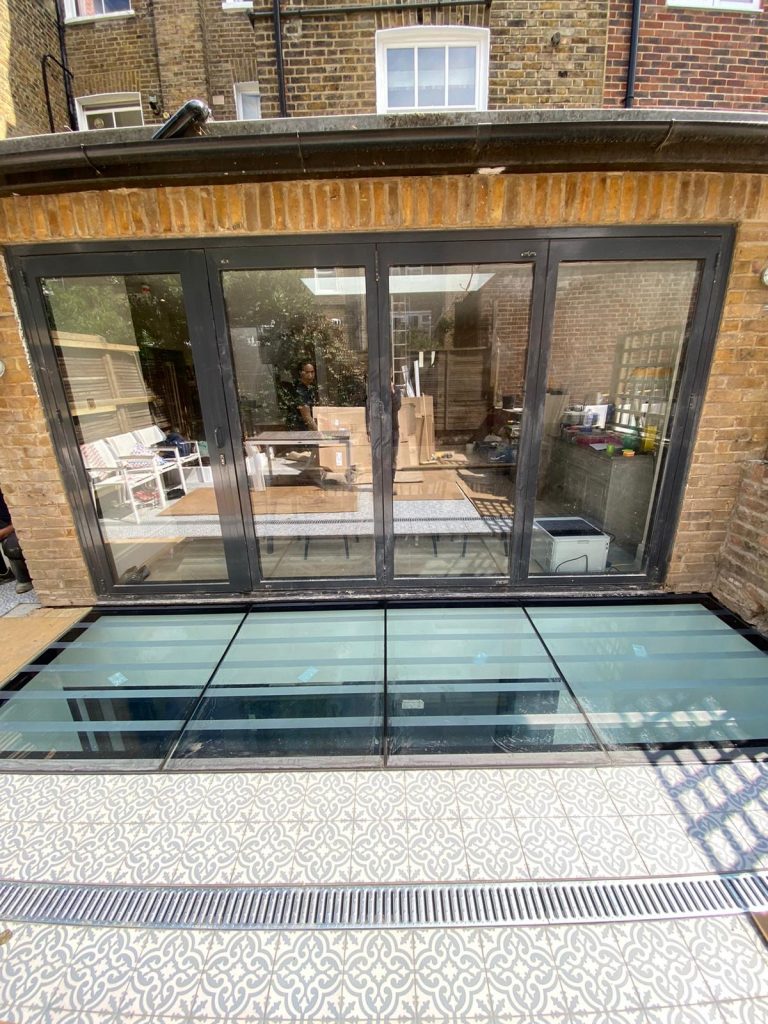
(517, 142)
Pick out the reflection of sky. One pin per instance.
(400, 284)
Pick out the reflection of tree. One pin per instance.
(290, 326)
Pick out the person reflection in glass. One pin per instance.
(304, 399)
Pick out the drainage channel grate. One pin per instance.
(393, 906)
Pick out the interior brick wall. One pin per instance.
(27, 32)
(733, 430)
(689, 57)
(742, 580)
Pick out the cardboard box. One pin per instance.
(339, 417)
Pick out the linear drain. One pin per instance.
(394, 906)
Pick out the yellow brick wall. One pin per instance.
(734, 426)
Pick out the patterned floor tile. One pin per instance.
(237, 974)
(379, 976)
(661, 965)
(230, 798)
(481, 793)
(664, 846)
(607, 847)
(709, 1013)
(521, 971)
(33, 962)
(723, 846)
(167, 974)
(154, 853)
(379, 852)
(450, 974)
(610, 1017)
(329, 796)
(210, 854)
(745, 1011)
(266, 853)
(307, 976)
(532, 793)
(550, 848)
(436, 851)
(46, 851)
(729, 955)
(431, 794)
(637, 789)
(592, 972)
(323, 852)
(582, 792)
(280, 797)
(99, 853)
(95, 979)
(175, 799)
(494, 850)
(380, 796)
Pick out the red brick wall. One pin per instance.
(27, 32)
(689, 57)
(742, 576)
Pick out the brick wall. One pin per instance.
(27, 32)
(742, 581)
(734, 427)
(689, 57)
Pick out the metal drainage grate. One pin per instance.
(394, 906)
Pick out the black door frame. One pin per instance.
(203, 259)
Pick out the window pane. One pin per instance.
(123, 348)
(102, 119)
(400, 78)
(461, 76)
(250, 106)
(620, 331)
(127, 118)
(431, 76)
(115, 6)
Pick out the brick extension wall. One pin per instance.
(733, 429)
(742, 580)
(689, 57)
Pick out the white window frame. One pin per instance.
(248, 89)
(747, 7)
(432, 35)
(106, 103)
(70, 13)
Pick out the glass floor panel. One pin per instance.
(364, 685)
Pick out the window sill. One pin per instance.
(100, 17)
(722, 6)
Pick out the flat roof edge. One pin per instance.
(363, 146)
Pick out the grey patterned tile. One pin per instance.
(592, 972)
(664, 846)
(154, 853)
(280, 797)
(745, 1011)
(329, 796)
(167, 974)
(379, 976)
(210, 855)
(380, 795)
(493, 848)
(237, 974)
(450, 975)
(379, 852)
(431, 794)
(481, 793)
(436, 850)
(531, 793)
(610, 1017)
(95, 979)
(266, 853)
(47, 851)
(307, 976)
(723, 846)
(582, 792)
(521, 971)
(551, 849)
(33, 962)
(99, 853)
(607, 847)
(176, 798)
(637, 789)
(230, 798)
(707, 1013)
(732, 961)
(661, 965)
(323, 852)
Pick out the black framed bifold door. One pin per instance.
(627, 337)
(463, 323)
(297, 334)
(126, 361)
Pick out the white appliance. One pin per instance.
(568, 544)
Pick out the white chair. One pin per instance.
(106, 469)
(152, 437)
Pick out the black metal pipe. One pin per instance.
(46, 89)
(68, 77)
(304, 12)
(193, 112)
(633, 46)
(282, 103)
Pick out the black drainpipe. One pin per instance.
(68, 76)
(632, 66)
(279, 59)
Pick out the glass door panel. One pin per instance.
(459, 336)
(124, 353)
(300, 351)
(619, 335)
